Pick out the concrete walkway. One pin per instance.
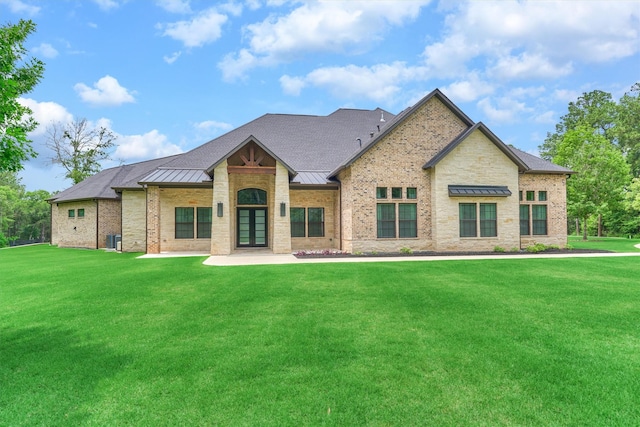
(269, 259)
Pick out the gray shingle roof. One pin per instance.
(102, 184)
(309, 146)
(538, 165)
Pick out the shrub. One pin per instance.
(499, 249)
(538, 247)
(406, 250)
(514, 249)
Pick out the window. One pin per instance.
(531, 196)
(412, 193)
(520, 192)
(80, 213)
(386, 214)
(488, 220)
(72, 213)
(468, 220)
(252, 196)
(407, 220)
(184, 223)
(542, 196)
(204, 223)
(381, 192)
(396, 192)
(539, 216)
(524, 220)
(316, 222)
(297, 222)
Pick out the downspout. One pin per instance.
(340, 210)
(50, 223)
(146, 218)
(97, 222)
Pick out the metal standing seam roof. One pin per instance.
(311, 178)
(177, 176)
(479, 191)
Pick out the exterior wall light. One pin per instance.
(219, 209)
(283, 209)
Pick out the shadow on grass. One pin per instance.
(54, 373)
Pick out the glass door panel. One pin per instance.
(260, 227)
(252, 227)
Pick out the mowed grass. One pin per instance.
(614, 244)
(96, 338)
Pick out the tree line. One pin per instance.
(599, 139)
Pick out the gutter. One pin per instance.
(97, 223)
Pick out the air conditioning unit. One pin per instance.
(113, 240)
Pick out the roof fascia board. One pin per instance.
(401, 118)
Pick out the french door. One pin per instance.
(252, 227)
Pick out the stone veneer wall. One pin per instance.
(221, 243)
(110, 220)
(556, 188)
(134, 221)
(327, 199)
(171, 198)
(396, 161)
(475, 161)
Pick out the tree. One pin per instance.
(627, 130)
(595, 109)
(17, 77)
(79, 148)
(602, 173)
(24, 214)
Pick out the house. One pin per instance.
(428, 179)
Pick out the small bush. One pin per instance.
(569, 247)
(514, 249)
(553, 247)
(538, 247)
(374, 252)
(406, 250)
(499, 249)
(357, 253)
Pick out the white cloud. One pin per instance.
(106, 4)
(46, 113)
(468, 90)
(205, 28)
(529, 66)
(534, 39)
(506, 112)
(547, 117)
(175, 6)
(141, 147)
(566, 95)
(173, 58)
(46, 50)
(106, 92)
(379, 82)
(317, 27)
(212, 125)
(19, 7)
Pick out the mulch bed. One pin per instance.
(427, 253)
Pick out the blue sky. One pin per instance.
(169, 75)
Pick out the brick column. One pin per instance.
(221, 225)
(281, 224)
(153, 220)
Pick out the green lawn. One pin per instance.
(614, 244)
(97, 338)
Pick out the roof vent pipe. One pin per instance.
(371, 134)
(378, 128)
(382, 116)
(359, 142)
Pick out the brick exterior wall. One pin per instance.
(475, 161)
(134, 221)
(396, 161)
(110, 220)
(556, 188)
(221, 229)
(74, 232)
(171, 198)
(101, 217)
(153, 220)
(327, 199)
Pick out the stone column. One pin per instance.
(281, 224)
(153, 220)
(221, 225)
